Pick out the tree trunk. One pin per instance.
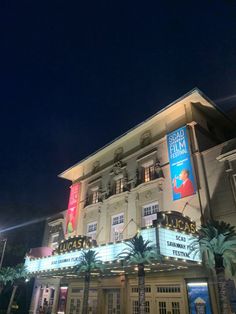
(1, 288)
(222, 291)
(12, 299)
(141, 288)
(86, 293)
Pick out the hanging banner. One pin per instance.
(198, 296)
(62, 300)
(72, 208)
(181, 170)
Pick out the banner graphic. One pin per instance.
(181, 170)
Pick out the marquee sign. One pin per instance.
(176, 233)
(173, 243)
(106, 253)
(176, 245)
(71, 244)
(176, 221)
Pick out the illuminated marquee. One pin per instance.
(176, 244)
(79, 242)
(106, 253)
(176, 233)
(172, 243)
(176, 221)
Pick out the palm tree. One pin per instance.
(140, 252)
(12, 275)
(217, 246)
(88, 261)
(19, 273)
(7, 275)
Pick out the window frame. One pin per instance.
(93, 232)
(148, 211)
(119, 188)
(117, 226)
(52, 242)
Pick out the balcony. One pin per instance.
(146, 175)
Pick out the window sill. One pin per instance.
(92, 205)
(146, 185)
(114, 197)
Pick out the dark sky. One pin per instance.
(74, 75)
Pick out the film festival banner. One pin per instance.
(181, 169)
(72, 208)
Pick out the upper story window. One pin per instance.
(116, 220)
(119, 185)
(92, 230)
(148, 173)
(95, 196)
(149, 214)
(148, 170)
(54, 240)
(117, 227)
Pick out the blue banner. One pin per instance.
(198, 297)
(181, 170)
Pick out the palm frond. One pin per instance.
(89, 261)
(216, 239)
(139, 251)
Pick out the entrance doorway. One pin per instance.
(113, 301)
(169, 306)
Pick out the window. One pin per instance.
(95, 196)
(135, 307)
(135, 289)
(92, 230)
(149, 214)
(117, 227)
(118, 220)
(54, 240)
(148, 173)
(168, 289)
(119, 185)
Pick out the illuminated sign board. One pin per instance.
(74, 200)
(176, 244)
(79, 242)
(181, 170)
(176, 220)
(172, 243)
(106, 253)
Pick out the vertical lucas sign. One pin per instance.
(72, 208)
(181, 170)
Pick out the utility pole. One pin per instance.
(3, 250)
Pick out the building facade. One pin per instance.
(180, 162)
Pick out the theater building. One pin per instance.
(161, 179)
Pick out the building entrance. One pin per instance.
(113, 301)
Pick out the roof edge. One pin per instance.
(195, 89)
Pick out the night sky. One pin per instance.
(75, 75)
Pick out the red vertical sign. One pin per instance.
(72, 208)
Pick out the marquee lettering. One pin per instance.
(176, 221)
(75, 243)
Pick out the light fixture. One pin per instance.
(196, 284)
